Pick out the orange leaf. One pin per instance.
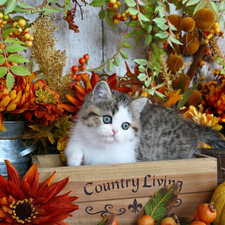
(94, 79)
(124, 89)
(85, 79)
(128, 70)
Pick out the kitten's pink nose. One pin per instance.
(114, 131)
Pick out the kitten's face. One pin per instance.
(110, 125)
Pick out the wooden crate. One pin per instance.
(126, 188)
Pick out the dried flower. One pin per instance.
(27, 202)
(173, 98)
(50, 61)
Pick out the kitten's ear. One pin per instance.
(102, 90)
(139, 104)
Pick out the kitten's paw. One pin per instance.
(75, 160)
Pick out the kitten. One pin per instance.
(114, 128)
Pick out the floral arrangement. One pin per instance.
(49, 100)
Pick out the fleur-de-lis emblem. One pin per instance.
(135, 207)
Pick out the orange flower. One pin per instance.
(173, 98)
(18, 99)
(46, 108)
(27, 202)
(214, 99)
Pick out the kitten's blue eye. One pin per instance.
(125, 125)
(107, 119)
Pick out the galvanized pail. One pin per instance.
(12, 148)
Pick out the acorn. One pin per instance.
(194, 99)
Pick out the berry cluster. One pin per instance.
(214, 30)
(122, 16)
(76, 76)
(70, 19)
(21, 32)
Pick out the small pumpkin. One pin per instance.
(219, 202)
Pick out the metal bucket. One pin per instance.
(13, 149)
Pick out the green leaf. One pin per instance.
(160, 94)
(19, 70)
(126, 45)
(130, 3)
(142, 17)
(142, 68)
(3, 71)
(102, 14)
(214, 8)
(19, 17)
(116, 61)
(25, 6)
(151, 91)
(109, 66)
(110, 12)
(160, 20)
(10, 6)
(15, 41)
(162, 202)
(2, 59)
(1, 51)
(162, 35)
(142, 62)
(136, 38)
(10, 80)
(109, 21)
(142, 76)
(187, 95)
(132, 23)
(174, 40)
(148, 39)
(131, 33)
(133, 11)
(193, 2)
(30, 66)
(50, 9)
(149, 28)
(17, 58)
(124, 54)
(2, 2)
(97, 3)
(68, 2)
(7, 32)
(15, 48)
(200, 5)
(20, 10)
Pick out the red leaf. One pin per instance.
(94, 79)
(124, 89)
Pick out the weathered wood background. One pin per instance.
(99, 40)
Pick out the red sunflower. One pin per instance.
(26, 202)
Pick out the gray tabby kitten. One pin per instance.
(113, 128)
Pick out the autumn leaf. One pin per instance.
(162, 202)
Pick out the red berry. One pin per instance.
(86, 74)
(81, 60)
(74, 76)
(83, 67)
(86, 57)
(71, 85)
(78, 77)
(75, 69)
(110, 5)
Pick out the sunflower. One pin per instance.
(26, 202)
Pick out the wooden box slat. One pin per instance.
(118, 185)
